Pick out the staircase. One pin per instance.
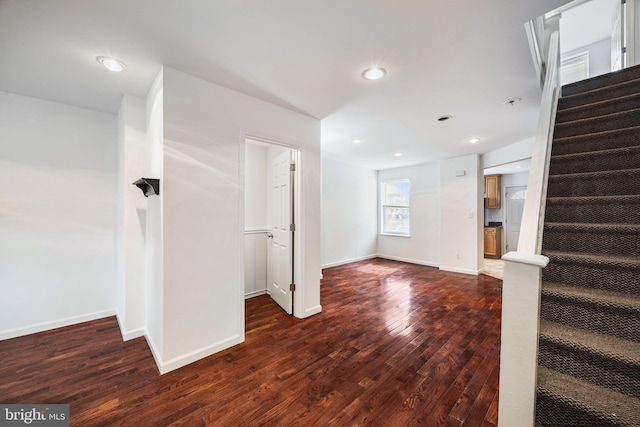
(589, 344)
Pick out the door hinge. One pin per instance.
(292, 227)
(292, 287)
(293, 167)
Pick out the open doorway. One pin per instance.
(270, 184)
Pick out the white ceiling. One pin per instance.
(463, 58)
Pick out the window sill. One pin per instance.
(395, 235)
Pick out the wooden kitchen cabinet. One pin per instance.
(492, 191)
(493, 242)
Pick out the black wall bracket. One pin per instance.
(149, 186)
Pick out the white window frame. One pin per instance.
(384, 206)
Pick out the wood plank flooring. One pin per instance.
(396, 345)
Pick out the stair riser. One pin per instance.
(620, 324)
(624, 89)
(597, 124)
(614, 78)
(592, 110)
(552, 412)
(625, 281)
(613, 184)
(618, 139)
(594, 213)
(595, 162)
(626, 244)
(613, 374)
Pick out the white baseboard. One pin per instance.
(460, 270)
(255, 293)
(348, 261)
(128, 335)
(194, 356)
(409, 260)
(46, 326)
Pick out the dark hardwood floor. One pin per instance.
(396, 345)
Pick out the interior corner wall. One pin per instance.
(154, 239)
(204, 127)
(460, 212)
(520, 150)
(599, 56)
(349, 212)
(423, 246)
(58, 215)
(132, 206)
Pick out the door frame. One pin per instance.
(298, 236)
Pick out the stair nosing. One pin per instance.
(622, 261)
(593, 296)
(597, 103)
(585, 199)
(602, 116)
(594, 227)
(605, 152)
(563, 139)
(596, 406)
(591, 342)
(602, 88)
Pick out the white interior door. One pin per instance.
(281, 224)
(515, 205)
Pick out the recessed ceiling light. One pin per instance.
(512, 101)
(374, 73)
(356, 141)
(398, 154)
(473, 140)
(111, 64)
(443, 118)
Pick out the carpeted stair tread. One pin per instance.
(629, 304)
(598, 94)
(608, 106)
(621, 119)
(594, 161)
(598, 358)
(603, 261)
(605, 80)
(605, 346)
(626, 137)
(614, 239)
(594, 209)
(599, 183)
(569, 402)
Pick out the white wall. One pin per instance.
(57, 215)
(461, 230)
(154, 251)
(599, 56)
(255, 198)
(511, 153)
(423, 247)
(202, 222)
(349, 212)
(132, 165)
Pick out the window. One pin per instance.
(394, 201)
(574, 68)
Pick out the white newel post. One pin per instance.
(519, 349)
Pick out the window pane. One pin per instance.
(395, 193)
(395, 220)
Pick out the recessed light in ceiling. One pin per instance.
(443, 118)
(398, 154)
(356, 141)
(512, 101)
(473, 140)
(374, 73)
(111, 64)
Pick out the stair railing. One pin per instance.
(522, 279)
